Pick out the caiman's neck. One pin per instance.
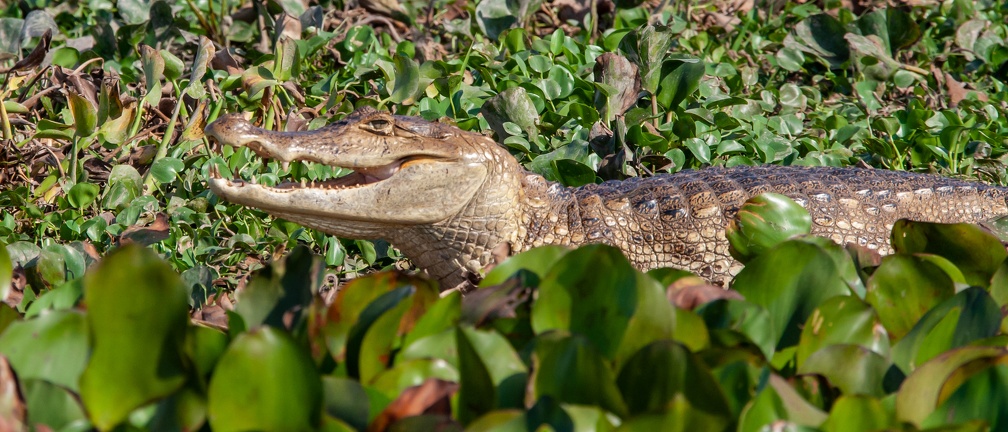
(518, 210)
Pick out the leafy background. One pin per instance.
(103, 109)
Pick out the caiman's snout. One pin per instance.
(235, 131)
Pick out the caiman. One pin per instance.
(448, 198)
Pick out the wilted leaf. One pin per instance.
(84, 113)
(430, 397)
(37, 55)
(147, 235)
(512, 105)
(13, 414)
(204, 54)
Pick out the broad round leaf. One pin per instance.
(492, 374)
(854, 369)
(619, 310)
(572, 370)
(264, 381)
(975, 251)
(790, 281)
(764, 221)
(858, 413)
(51, 347)
(842, 320)
(82, 194)
(931, 384)
(137, 310)
(903, 289)
(665, 376)
(969, 316)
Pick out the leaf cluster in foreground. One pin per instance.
(812, 335)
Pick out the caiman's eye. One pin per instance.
(380, 125)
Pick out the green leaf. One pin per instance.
(85, 114)
(842, 320)
(407, 80)
(346, 400)
(166, 169)
(666, 376)
(393, 381)
(777, 402)
(858, 413)
(974, 251)
(737, 317)
(763, 222)
(512, 105)
(679, 79)
(134, 11)
(492, 374)
(572, 370)
(537, 260)
(932, 383)
(137, 310)
(903, 289)
(573, 173)
(790, 296)
(854, 369)
(619, 310)
(823, 36)
(982, 395)
(153, 68)
(52, 405)
(648, 48)
(969, 316)
(790, 59)
(51, 347)
(82, 194)
(242, 397)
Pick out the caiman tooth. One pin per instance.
(285, 165)
(304, 183)
(252, 180)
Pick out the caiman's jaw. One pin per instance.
(399, 179)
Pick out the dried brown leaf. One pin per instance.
(433, 396)
(146, 235)
(12, 405)
(37, 55)
(691, 292)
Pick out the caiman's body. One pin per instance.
(447, 198)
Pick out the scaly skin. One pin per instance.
(447, 198)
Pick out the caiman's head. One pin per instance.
(407, 173)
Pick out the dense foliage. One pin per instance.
(102, 116)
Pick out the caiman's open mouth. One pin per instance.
(360, 176)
